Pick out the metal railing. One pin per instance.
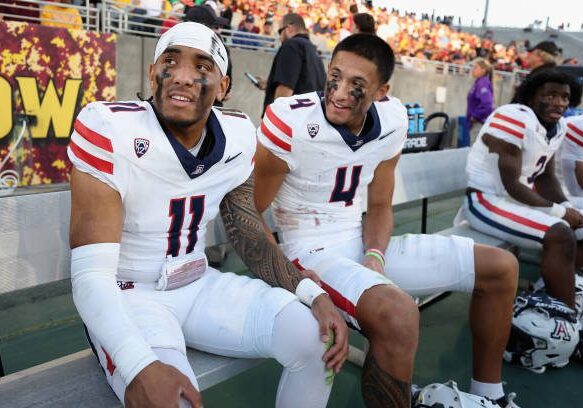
(89, 15)
(127, 19)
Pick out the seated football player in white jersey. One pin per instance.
(317, 155)
(570, 161)
(513, 191)
(148, 176)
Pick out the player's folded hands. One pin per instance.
(573, 217)
(330, 321)
(161, 385)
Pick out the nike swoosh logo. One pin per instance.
(233, 158)
(387, 134)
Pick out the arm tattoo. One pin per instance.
(381, 389)
(246, 234)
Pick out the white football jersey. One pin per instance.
(329, 167)
(518, 125)
(169, 195)
(570, 152)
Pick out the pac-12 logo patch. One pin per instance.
(141, 146)
(313, 129)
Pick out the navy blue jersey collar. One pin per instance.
(371, 130)
(195, 166)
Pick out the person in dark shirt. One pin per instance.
(363, 23)
(297, 67)
(247, 26)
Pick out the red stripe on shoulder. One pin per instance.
(93, 137)
(93, 161)
(278, 122)
(510, 120)
(574, 139)
(277, 141)
(575, 129)
(507, 130)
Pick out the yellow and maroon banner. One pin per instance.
(49, 74)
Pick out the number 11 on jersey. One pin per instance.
(176, 212)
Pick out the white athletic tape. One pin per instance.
(198, 36)
(99, 302)
(308, 290)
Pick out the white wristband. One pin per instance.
(308, 290)
(557, 210)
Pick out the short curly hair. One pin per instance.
(531, 84)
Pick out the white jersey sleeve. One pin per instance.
(507, 123)
(395, 114)
(572, 148)
(239, 128)
(276, 131)
(92, 148)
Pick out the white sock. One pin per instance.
(493, 391)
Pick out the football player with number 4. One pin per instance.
(148, 176)
(318, 154)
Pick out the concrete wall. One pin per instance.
(134, 55)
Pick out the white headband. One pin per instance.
(194, 35)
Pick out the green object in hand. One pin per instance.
(329, 372)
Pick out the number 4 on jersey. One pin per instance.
(340, 193)
(176, 213)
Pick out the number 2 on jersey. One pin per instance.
(339, 193)
(176, 212)
(540, 165)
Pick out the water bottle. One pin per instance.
(411, 117)
(420, 118)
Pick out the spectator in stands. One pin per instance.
(480, 97)
(321, 26)
(57, 15)
(363, 23)
(146, 15)
(297, 67)
(247, 26)
(545, 54)
(18, 10)
(267, 27)
(541, 57)
(227, 13)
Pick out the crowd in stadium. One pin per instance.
(425, 37)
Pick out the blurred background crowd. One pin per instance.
(425, 36)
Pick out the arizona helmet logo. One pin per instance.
(560, 331)
(313, 129)
(141, 146)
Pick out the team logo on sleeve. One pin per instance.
(141, 146)
(313, 129)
